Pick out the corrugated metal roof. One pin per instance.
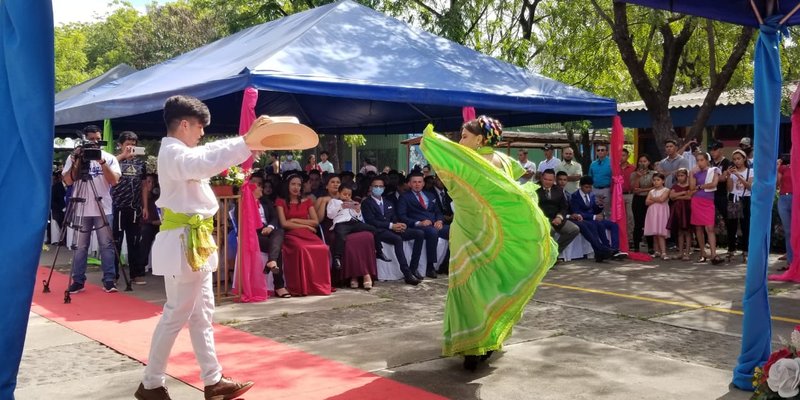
(695, 99)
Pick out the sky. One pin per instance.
(66, 11)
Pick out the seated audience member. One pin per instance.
(585, 213)
(305, 257)
(419, 210)
(554, 204)
(270, 238)
(315, 181)
(379, 212)
(562, 180)
(346, 216)
(445, 202)
(347, 178)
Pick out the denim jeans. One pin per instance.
(105, 241)
(785, 212)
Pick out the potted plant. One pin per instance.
(223, 183)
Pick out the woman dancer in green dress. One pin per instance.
(500, 244)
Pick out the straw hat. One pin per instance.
(284, 133)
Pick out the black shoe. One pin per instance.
(471, 362)
(337, 264)
(76, 288)
(415, 272)
(487, 355)
(431, 273)
(379, 255)
(410, 279)
(619, 255)
(443, 269)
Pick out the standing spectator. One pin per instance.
(671, 163)
(274, 163)
(680, 213)
(641, 183)
(746, 145)
(127, 200)
(549, 161)
(58, 203)
(311, 164)
(151, 219)
(600, 171)
(368, 166)
(721, 163)
(687, 151)
(324, 164)
(528, 165)
(104, 173)
(290, 164)
(386, 169)
(573, 169)
(655, 223)
(785, 191)
(426, 171)
(555, 206)
(703, 182)
(740, 184)
(627, 191)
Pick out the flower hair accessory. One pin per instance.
(492, 129)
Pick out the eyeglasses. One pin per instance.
(599, 150)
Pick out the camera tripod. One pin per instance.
(75, 209)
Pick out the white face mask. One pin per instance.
(289, 158)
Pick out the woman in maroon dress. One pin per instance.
(306, 258)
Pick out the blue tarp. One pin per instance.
(26, 87)
(340, 68)
(739, 12)
(113, 74)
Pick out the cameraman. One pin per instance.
(104, 173)
(128, 199)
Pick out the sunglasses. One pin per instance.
(599, 150)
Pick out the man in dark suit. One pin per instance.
(419, 210)
(443, 199)
(553, 202)
(585, 213)
(379, 212)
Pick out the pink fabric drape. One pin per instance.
(793, 273)
(618, 213)
(253, 280)
(468, 113)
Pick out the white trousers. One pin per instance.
(190, 298)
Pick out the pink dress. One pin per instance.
(306, 261)
(655, 223)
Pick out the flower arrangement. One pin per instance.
(779, 378)
(233, 176)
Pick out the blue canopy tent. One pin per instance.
(113, 74)
(771, 17)
(340, 68)
(26, 100)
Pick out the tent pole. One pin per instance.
(789, 14)
(756, 12)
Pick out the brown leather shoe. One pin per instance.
(226, 389)
(159, 393)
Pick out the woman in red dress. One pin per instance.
(306, 258)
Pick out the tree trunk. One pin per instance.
(662, 128)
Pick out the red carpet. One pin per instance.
(125, 323)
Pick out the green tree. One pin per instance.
(108, 39)
(70, 56)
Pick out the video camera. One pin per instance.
(90, 150)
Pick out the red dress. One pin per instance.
(306, 259)
(680, 215)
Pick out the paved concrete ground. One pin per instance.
(602, 331)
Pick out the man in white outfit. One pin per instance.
(184, 251)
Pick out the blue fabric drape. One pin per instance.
(26, 128)
(756, 325)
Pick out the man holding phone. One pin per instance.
(128, 197)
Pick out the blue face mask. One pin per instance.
(377, 191)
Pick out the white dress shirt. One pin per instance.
(338, 214)
(183, 173)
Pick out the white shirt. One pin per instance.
(379, 202)
(100, 184)
(367, 169)
(690, 159)
(529, 167)
(326, 166)
(552, 163)
(291, 165)
(738, 184)
(338, 214)
(183, 173)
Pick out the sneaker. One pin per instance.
(139, 281)
(226, 389)
(76, 288)
(110, 287)
(159, 393)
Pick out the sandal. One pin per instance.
(666, 257)
(284, 295)
(354, 284)
(367, 285)
(685, 257)
(716, 260)
(702, 260)
(274, 269)
(656, 255)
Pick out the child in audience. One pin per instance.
(655, 223)
(679, 218)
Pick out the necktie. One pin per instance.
(586, 199)
(421, 200)
(547, 193)
(380, 205)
